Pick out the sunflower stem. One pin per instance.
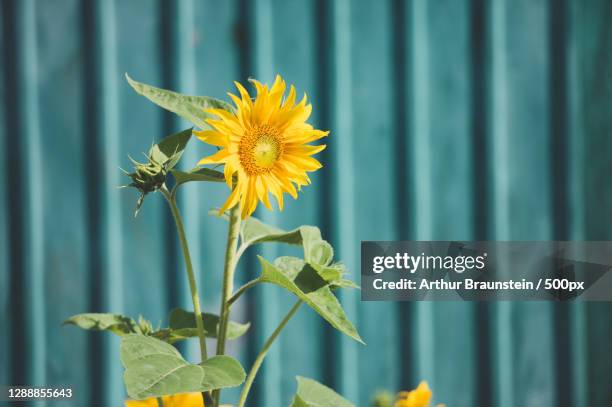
(229, 268)
(199, 319)
(262, 354)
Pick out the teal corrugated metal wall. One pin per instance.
(450, 119)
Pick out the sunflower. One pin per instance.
(418, 397)
(177, 400)
(264, 143)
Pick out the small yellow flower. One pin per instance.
(177, 400)
(265, 143)
(418, 397)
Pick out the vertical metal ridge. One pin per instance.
(501, 322)
(24, 193)
(421, 178)
(404, 194)
(480, 87)
(184, 81)
(110, 150)
(97, 351)
(346, 361)
(166, 43)
(499, 119)
(5, 241)
(101, 166)
(421, 120)
(401, 116)
(559, 176)
(558, 122)
(34, 219)
(178, 66)
(113, 287)
(576, 192)
(325, 78)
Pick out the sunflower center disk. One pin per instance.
(260, 149)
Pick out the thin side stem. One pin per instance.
(190, 274)
(228, 283)
(242, 290)
(262, 354)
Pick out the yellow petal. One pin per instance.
(316, 135)
(152, 402)
(262, 191)
(184, 400)
(305, 149)
(290, 101)
(228, 172)
(253, 197)
(244, 94)
(277, 92)
(212, 137)
(276, 190)
(224, 127)
(222, 113)
(305, 163)
(247, 197)
(233, 199)
(237, 101)
(418, 397)
(219, 157)
(302, 134)
(229, 120)
(298, 114)
(261, 89)
(286, 185)
(278, 84)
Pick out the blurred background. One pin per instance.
(449, 119)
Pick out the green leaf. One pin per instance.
(115, 323)
(311, 393)
(154, 369)
(188, 107)
(181, 319)
(174, 335)
(170, 149)
(330, 273)
(304, 281)
(298, 402)
(344, 283)
(198, 174)
(253, 231)
(316, 250)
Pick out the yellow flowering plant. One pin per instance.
(419, 397)
(264, 146)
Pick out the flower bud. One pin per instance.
(382, 399)
(145, 326)
(147, 177)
